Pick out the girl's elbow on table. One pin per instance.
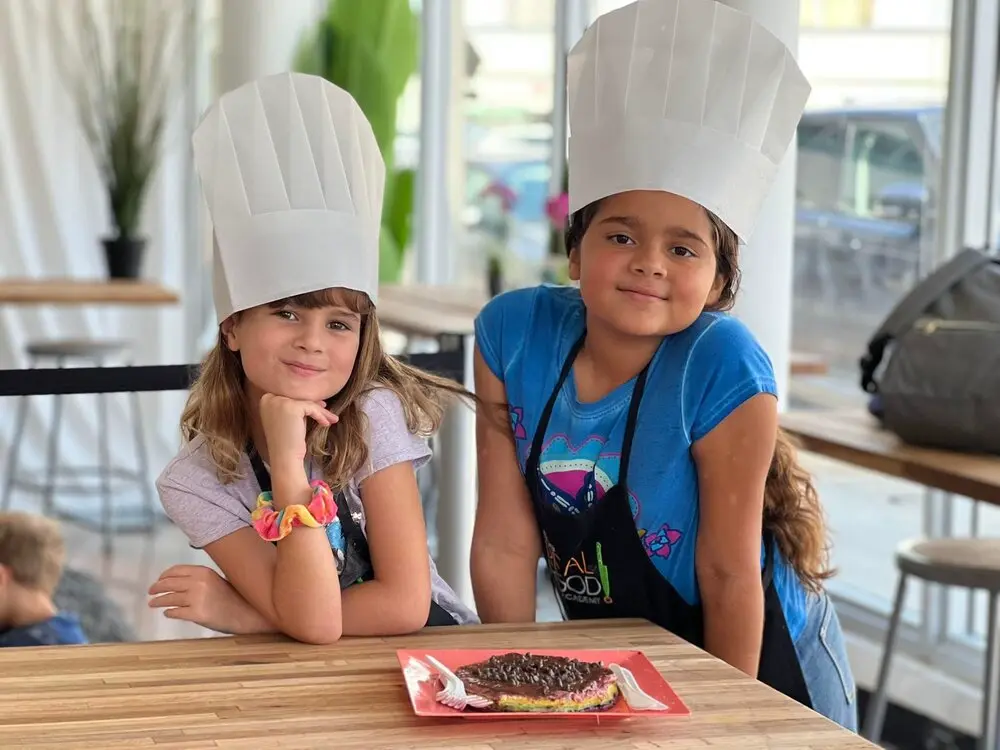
(409, 603)
(316, 627)
(320, 634)
(413, 610)
(409, 614)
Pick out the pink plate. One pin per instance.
(422, 683)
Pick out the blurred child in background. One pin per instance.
(31, 562)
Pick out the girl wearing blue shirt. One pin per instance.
(638, 449)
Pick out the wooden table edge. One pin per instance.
(77, 291)
(905, 464)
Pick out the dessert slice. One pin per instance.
(530, 682)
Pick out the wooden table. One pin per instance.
(265, 692)
(855, 437)
(56, 291)
(428, 310)
(432, 310)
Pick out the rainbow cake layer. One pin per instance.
(533, 683)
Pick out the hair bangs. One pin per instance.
(353, 300)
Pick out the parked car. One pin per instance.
(865, 199)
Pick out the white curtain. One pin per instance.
(52, 215)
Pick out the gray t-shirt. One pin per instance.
(207, 510)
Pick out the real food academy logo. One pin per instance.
(581, 578)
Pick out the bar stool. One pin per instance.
(92, 352)
(969, 564)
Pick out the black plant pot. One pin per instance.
(124, 256)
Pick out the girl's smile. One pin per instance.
(301, 369)
(641, 294)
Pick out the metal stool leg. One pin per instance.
(52, 460)
(875, 715)
(13, 450)
(991, 679)
(104, 447)
(142, 461)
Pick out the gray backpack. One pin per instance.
(940, 386)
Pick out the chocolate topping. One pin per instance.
(532, 675)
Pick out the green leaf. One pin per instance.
(351, 63)
(397, 213)
(307, 56)
(370, 49)
(390, 28)
(390, 259)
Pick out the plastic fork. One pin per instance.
(453, 694)
(635, 696)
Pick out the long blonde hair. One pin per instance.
(217, 408)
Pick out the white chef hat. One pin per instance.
(294, 181)
(687, 96)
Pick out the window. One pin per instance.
(885, 174)
(821, 151)
(933, 123)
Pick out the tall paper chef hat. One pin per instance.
(687, 96)
(294, 180)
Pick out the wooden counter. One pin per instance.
(856, 438)
(266, 692)
(54, 291)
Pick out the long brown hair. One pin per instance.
(792, 510)
(217, 408)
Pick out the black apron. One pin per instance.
(600, 568)
(357, 565)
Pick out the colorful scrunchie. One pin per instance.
(273, 525)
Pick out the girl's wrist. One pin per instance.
(291, 463)
(287, 468)
(289, 484)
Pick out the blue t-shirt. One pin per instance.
(62, 629)
(695, 380)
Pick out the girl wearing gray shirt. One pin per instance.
(302, 437)
(261, 414)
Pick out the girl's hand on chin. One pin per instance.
(285, 421)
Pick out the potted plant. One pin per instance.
(370, 49)
(120, 59)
